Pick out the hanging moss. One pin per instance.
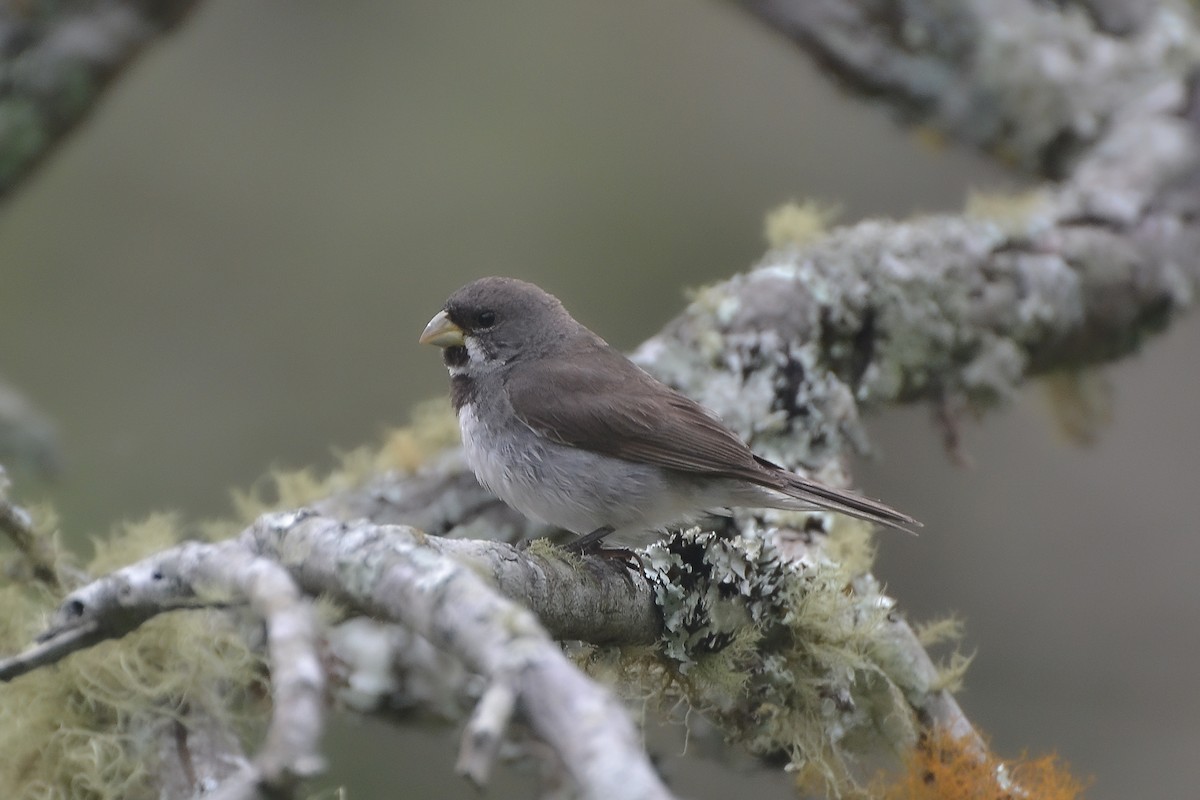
(72, 731)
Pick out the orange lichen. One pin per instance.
(945, 768)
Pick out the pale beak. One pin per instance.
(441, 332)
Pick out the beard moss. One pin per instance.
(79, 730)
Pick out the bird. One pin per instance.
(565, 429)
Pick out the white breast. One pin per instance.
(492, 467)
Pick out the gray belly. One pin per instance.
(568, 487)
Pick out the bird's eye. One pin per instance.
(486, 319)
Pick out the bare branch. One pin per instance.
(17, 524)
(485, 730)
(385, 669)
(398, 574)
(53, 649)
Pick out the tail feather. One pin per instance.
(817, 495)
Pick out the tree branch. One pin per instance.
(391, 573)
(399, 574)
(197, 575)
(56, 59)
(1073, 275)
(27, 436)
(17, 524)
(1022, 80)
(699, 595)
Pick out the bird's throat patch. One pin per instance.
(462, 391)
(455, 356)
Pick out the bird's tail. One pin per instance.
(813, 495)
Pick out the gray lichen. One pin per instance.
(780, 650)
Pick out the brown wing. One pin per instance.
(612, 407)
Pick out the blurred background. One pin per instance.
(227, 269)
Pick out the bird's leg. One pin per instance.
(590, 545)
(589, 542)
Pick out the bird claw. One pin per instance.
(631, 558)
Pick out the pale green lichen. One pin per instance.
(939, 631)
(798, 224)
(543, 548)
(851, 543)
(952, 670)
(1021, 214)
(1080, 403)
(942, 307)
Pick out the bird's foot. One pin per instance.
(590, 542)
(591, 545)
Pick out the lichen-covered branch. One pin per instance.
(960, 309)
(395, 574)
(761, 621)
(935, 309)
(56, 58)
(955, 310)
(1035, 84)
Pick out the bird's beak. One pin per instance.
(441, 332)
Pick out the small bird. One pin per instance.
(568, 431)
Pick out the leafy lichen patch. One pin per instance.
(780, 649)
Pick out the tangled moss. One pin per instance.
(72, 732)
(131, 541)
(76, 730)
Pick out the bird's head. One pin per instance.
(492, 322)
